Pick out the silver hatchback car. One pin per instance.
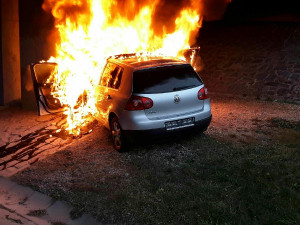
(154, 95)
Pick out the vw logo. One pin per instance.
(176, 99)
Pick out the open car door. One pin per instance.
(192, 56)
(46, 103)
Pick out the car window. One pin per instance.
(165, 79)
(112, 76)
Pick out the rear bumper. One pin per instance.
(138, 120)
(136, 135)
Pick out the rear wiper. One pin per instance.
(184, 87)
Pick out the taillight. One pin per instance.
(138, 103)
(203, 93)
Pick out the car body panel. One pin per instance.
(164, 109)
(162, 133)
(137, 120)
(111, 102)
(172, 104)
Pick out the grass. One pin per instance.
(246, 174)
(194, 179)
(282, 123)
(215, 184)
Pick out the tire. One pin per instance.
(118, 140)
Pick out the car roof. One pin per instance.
(143, 62)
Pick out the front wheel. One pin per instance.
(116, 134)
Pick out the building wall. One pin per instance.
(36, 43)
(10, 52)
(1, 68)
(257, 59)
(36, 26)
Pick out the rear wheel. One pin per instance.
(117, 135)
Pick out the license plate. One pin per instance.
(177, 124)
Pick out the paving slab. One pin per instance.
(21, 165)
(8, 172)
(16, 198)
(38, 201)
(45, 220)
(22, 205)
(6, 184)
(8, 217)
(60, 212)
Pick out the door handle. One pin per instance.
(108, 97)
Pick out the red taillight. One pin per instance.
(138, 103)
(203, 93)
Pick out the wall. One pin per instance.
(1, 68)
(10, 52)
(257, 59)
(35, 44)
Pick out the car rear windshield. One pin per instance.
(165, 79)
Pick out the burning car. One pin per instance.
(150, 95)
(136, 92)
(137, 96)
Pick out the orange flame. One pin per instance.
(91, 30)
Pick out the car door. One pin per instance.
(107, 90)
(46, 102)
(192, 56)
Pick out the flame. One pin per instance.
(89, 31)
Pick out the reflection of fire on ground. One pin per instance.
(27, 138)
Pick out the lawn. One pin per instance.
(210, 178)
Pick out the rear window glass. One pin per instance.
(165, 79)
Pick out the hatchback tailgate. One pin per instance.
(174, 104)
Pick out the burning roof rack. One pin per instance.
(193, 50)
(191, 55)
(129, 55)
(138, 54)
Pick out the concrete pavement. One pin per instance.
(22, 205)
